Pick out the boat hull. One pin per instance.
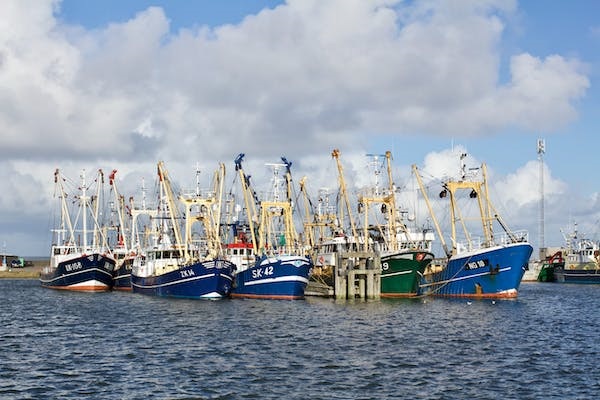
(402, 271)
(585, 276)
(547, 273)
(201, 280)
(494, 272)
(283, 277)
(122, 276)
(533, 272)
(82, 273)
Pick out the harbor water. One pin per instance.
(117, 345)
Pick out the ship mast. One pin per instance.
(308, 230)
(65, 216)
(83, 200)
(96, 212)
(478, 190)
(317, 221)
(433, 217)
(377, 195)
(120, 204)
(393, 217)
(135, 213)
(165, 183)
(290, 229)
(336, 154)
(276, 207)
(250, 206)
(209, 213)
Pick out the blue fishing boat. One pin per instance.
(74, 265)
(190, 268)
(280, 277)
(494, 272)
(119, 227)
(491, 267)
(78, 271)
(162, 272)
(279, 270)
(122, 273)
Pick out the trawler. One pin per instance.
(80, 258)
(275, 266)
(178, 266)
(491, 267)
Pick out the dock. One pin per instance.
(28, 272)
(355, 274)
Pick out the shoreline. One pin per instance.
(32, 272)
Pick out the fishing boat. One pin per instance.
(122, 251)
(85, 265)
(404, 253)
(279, 270)
(401, 270)
(240, 251)
(549, 266)
(184, 268)
(330, 232)
(581, 260)
(491, 267)
(122, 273)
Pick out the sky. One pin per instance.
(123, 84)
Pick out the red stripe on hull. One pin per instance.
(82, 288)
(398, 295)
(512, 295)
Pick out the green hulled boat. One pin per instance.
(547, 271)
(401, 272)
(404, 252)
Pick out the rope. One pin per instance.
(447, 280)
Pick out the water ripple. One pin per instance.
(125, 346)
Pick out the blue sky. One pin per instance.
(182, 13)
(143, 79)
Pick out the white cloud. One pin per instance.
(307, 68)
(523, 186)
(297, 80)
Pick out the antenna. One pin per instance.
(541, 150)
(197, 179)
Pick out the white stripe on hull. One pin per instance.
(91, 283)
(437, 283)
(275, 280)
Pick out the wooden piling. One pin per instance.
(357, 274)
